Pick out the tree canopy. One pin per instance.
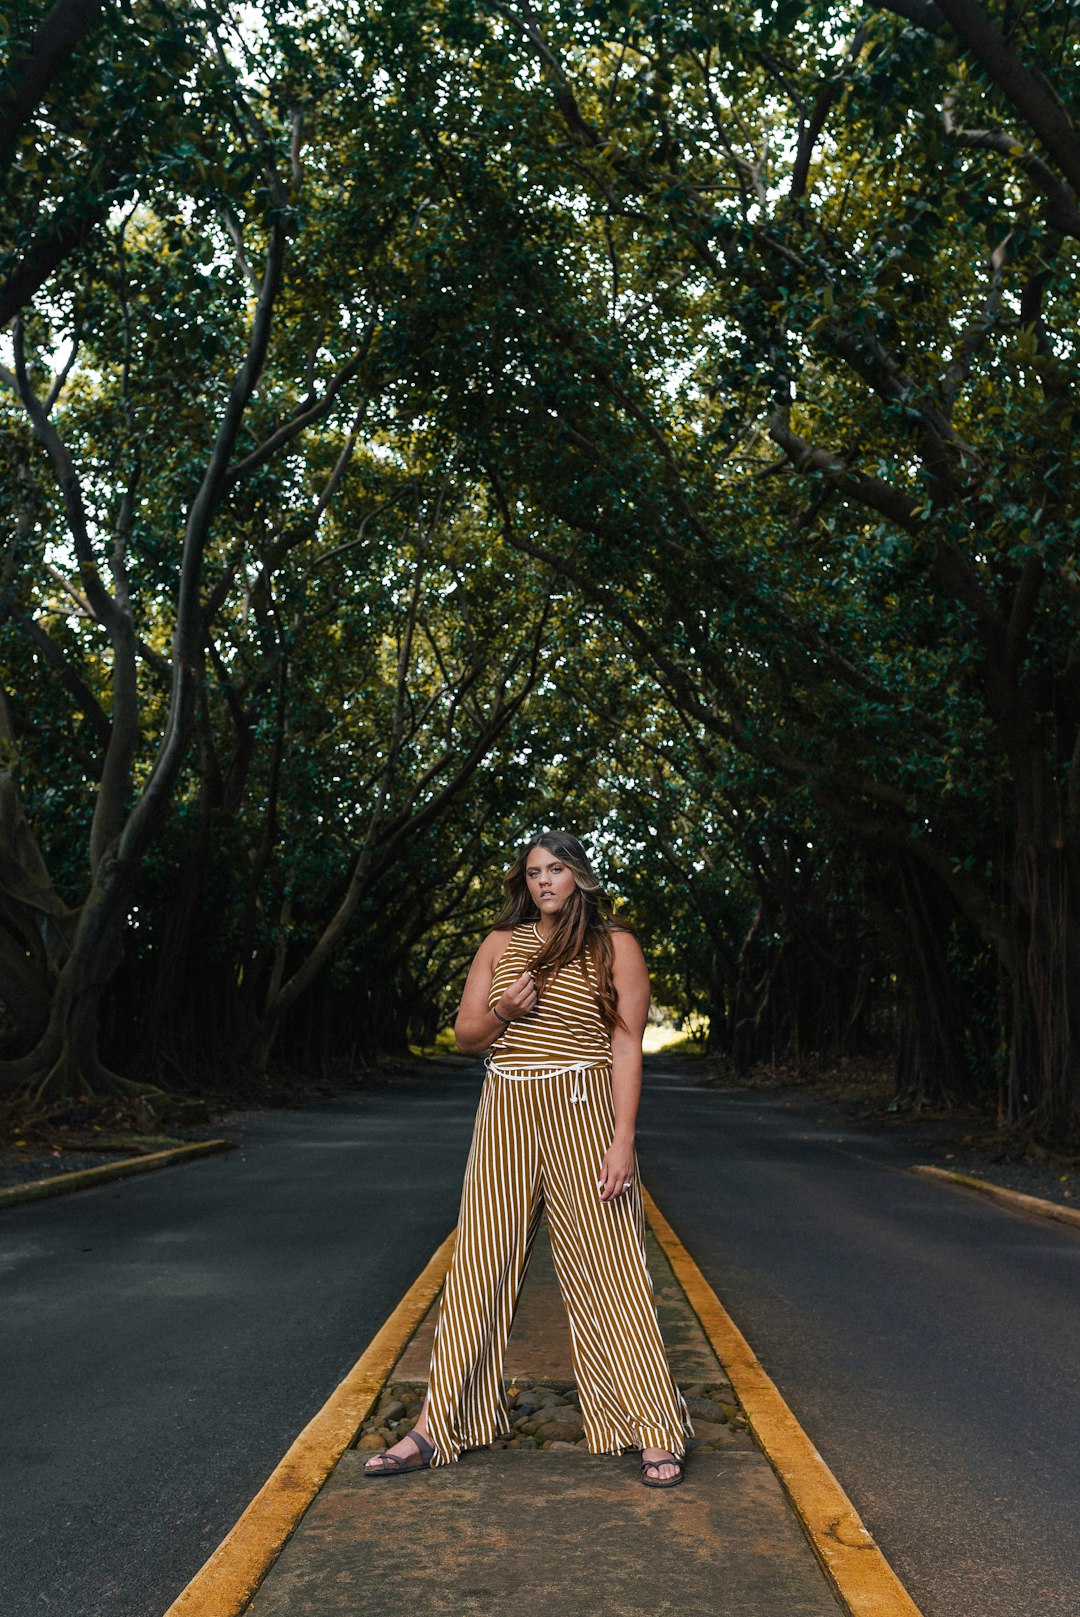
(424, 422)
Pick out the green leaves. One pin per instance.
(743, 367)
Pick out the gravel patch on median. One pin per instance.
(547, 1415)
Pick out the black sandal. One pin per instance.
(396, 1465)
(662, 1482)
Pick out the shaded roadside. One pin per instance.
(43, 1149)
(964, 1141)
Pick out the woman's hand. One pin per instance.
(520, 998)
(617, 1173)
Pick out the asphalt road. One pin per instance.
(928, 1341)
(164, 1338)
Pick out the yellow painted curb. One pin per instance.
(864, 1581)
(1014, 1199)
(226, 1583)
(59, 1184)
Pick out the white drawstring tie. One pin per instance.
(527, 1074)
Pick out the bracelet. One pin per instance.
(505, 1020)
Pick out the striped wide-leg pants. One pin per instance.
(539, 1144)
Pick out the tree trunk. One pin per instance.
(1043, 1084)
(932, 1067)
(65, 1060)
(35, 925)
(168, 1016)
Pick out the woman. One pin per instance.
(558, 993)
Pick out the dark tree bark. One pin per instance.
(32, 75)
(1030, 95)
(65, 1060)
(932, 1067)
(1044, 1054)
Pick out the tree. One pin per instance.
(880, 291)
(747, 335)
(166, 382)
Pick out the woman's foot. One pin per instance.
(660, 1469)
(412, 1452)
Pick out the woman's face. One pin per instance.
(550, 882)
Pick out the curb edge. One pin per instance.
(227, 1581)
(1017, 1200)
(855, 1567)
(60, 1184)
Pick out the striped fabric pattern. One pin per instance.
(565, 1024)
(534, 1148)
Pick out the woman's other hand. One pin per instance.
(617, 1172)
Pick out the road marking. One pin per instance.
(1016, 1200)
(862, 1578)
(59, 1184)
(226, 1583)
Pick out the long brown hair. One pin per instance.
(582, 928)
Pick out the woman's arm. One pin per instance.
(477, 1027)
(632, 986)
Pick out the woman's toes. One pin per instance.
(661, 1466)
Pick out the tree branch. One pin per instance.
(53, 43)
(310, 411)
(1061, 211)
(1032, 98)
(874, 492)
(923, 13)
(48, 251)
(189, 628)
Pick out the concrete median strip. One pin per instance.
(326, 1561)
(863, 1580)
(61, 1183)
(227, 1581)
(1015, 1200)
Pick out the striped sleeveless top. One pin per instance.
(564, 1026)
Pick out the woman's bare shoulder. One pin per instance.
(624, 943)
(495, 945)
